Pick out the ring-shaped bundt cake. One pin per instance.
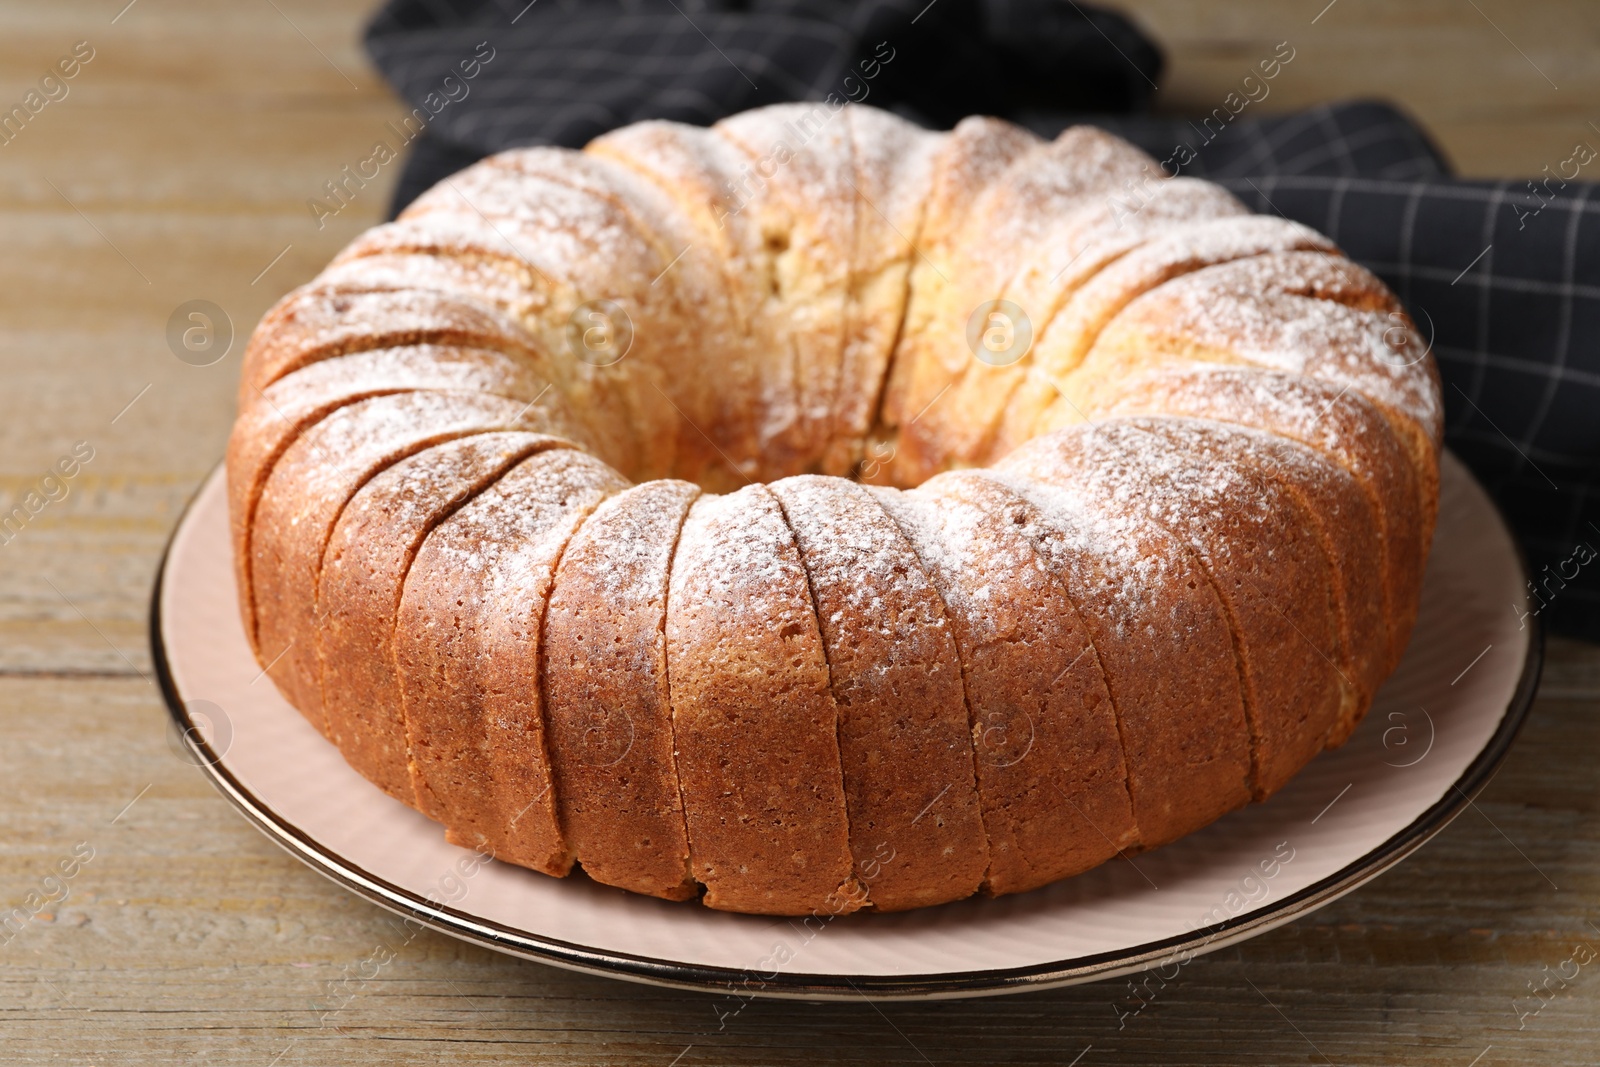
(829, 513)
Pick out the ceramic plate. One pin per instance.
(1437, 731)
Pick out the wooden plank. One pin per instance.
(189, 145)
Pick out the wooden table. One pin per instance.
(178, 168)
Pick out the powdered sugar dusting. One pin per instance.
(763, 327)
(854, 552)
(502, 534)
(741, 554)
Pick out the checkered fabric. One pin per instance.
(1504, 277)
(566, 71)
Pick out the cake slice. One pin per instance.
(1051, 777)
(1258, 547)
(303, 497)
(905, 741)
(1304, 313)
(592, 246)
(894, 170)
(798, 174)
(1067, 338)
(467, 646)
(1070, 252)
(1035, 201)
(1164, 644)
(607, 707)
(1049, 397)
(1340, 518)
(1339, 423)
(275, 417)
(684, 292)
(363, 574)
(317, 322)
(753, 412)
(496, 279)
(932, 342)
(1076, 246)
(753, 717)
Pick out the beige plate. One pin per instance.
(1438, 730)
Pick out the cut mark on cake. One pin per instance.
(518, 416)
(445, 510)
(527, 806)
(1309, 643)
(273, 664)
(1120, 854)
(509, 242)
(909, 242)
(671, 718)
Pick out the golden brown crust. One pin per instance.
(1050, 772)
(1256, 544)
(1337, 422)
(1163, 641)
(315, 323)
(302, 499)
(553, 212)
(751, 413)
(363, 574)
(467, 651)
(753, 716)
(1060, 194)
(1052, 395)
(905, 743)
(268, 425)
(1340, 516)
(604, 675)
(1067, 338)
(1305, 312)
